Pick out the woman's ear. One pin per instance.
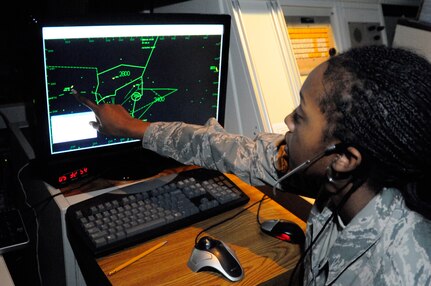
(347, 161)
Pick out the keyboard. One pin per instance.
(139, 212)
(13, 234)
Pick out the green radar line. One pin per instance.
(123, 83)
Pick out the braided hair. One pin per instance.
(379, 99)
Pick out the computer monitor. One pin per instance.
(160, 67)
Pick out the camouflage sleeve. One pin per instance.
(210, 146)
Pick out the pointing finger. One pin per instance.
(87, 102)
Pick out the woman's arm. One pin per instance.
(255, 161)
(210, 146)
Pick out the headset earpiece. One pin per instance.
(337, 148)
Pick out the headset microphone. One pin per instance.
(328, 151)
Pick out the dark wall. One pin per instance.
(16, 51)
(16, 44)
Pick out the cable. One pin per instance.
(258, 209)
(264, 197)
(16, 133)
(5, 119)
(355, 186)
(48, 199)
(36, 220)
(95, 177)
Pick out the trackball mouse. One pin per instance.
(284, 230)
(211, 254)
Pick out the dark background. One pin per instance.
(16, 50)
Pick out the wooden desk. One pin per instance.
(265, 260)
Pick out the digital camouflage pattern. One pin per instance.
(210, 146)
(385, 244)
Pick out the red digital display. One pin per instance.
(73, 175)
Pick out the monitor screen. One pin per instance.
(158, 67)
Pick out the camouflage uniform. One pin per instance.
(212, 147)
(384, 244)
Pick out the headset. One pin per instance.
(335, 148)
(339, 147)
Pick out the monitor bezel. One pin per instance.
(48, 165)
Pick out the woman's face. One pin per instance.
(307, 125)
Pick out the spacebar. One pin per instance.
(146, 226)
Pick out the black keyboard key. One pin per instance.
(142, 211)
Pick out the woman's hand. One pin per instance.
(113, 119)
(282, 161)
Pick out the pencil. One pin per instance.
(128, 262)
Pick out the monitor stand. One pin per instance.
(137, 166)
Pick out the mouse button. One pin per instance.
(268, 225)
(235, 270)
(205, 243)
(284, 236)
(294, 231)
(228, 261)
(282, 228)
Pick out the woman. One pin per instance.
(370, 223)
